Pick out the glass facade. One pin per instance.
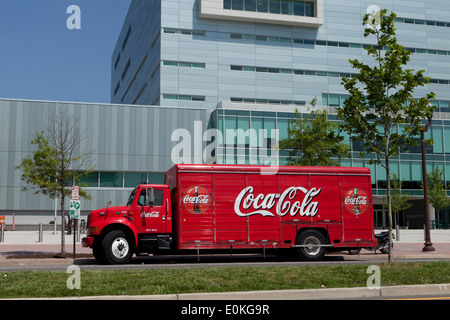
(289, 7)
(250, 63)
(121, 179)
(241, 145)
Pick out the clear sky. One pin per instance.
(41, 59)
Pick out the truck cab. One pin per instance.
(143, 225)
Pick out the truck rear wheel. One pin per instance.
(310, 240)
(116, 248)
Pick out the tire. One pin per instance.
(98, 253)
(116, 248)
(311, 253)
(385, 247)
(354, 251)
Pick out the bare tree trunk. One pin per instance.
(63, 226)
(64, 136)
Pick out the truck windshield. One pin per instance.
(131, 198)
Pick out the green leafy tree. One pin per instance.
(381, 110)
(55, 164)
(399, 201)
(437, 194)
(313, 140)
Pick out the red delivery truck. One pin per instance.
(310, 210)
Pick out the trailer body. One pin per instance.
(201, 207)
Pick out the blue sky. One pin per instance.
(41, 59)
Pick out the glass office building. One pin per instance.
(240, 67)
(252, 63)
(245, 148)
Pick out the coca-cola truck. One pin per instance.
(310, 210)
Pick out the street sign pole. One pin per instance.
(75, 208)
(56, 232)
(74, 232)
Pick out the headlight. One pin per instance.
(92, 230)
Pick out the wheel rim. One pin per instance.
(120, 248)
(312, 244)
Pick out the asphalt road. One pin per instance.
(193, 261)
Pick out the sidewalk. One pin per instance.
(32, 237)
(23, 243)
(409, 247)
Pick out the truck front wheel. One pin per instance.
(116, 248)
(309, 243)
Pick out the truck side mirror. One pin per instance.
(150, 197)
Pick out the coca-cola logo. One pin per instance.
(153, 214)
(290, 201)
(196, 199)
(356, 201)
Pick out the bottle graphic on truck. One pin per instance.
(309, 210)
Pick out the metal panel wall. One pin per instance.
(123, 138)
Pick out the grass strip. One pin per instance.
(42, 284)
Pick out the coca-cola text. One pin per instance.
(285, 202)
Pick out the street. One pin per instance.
(194, 261)
(22, 251)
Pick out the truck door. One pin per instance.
(357, 208)
(153, 216)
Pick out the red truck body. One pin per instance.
(312, 209)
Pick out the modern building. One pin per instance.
(233, 66)
(251, 63)
(129, 145)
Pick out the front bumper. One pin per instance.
(87, 242)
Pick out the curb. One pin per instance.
(306, 294)
(419, 256)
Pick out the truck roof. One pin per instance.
(150, 185)
(270, 169)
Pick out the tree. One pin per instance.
(399, 201)
(381, 110)
(437, 194)
(313, 140)
(56, 163)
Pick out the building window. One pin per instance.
(111, 179)
(185, 31)
(268, 101)
(125, 70)
(117, 62)
(156, 178)
(423, 22)
(118, 179)
(126, 38)
(117, 88)
(184, 64)
(132, 179)
(182, 97)
(336, 100)
(286, 7)
(90, 180)
(299, 41)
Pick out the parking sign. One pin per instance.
(75, 208)
(75, 192)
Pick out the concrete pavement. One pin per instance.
(32, 237)
(409, 246)
(305, 294)
(49, 237)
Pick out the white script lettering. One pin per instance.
(263, 203)
(196, 199)
(357, 200)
